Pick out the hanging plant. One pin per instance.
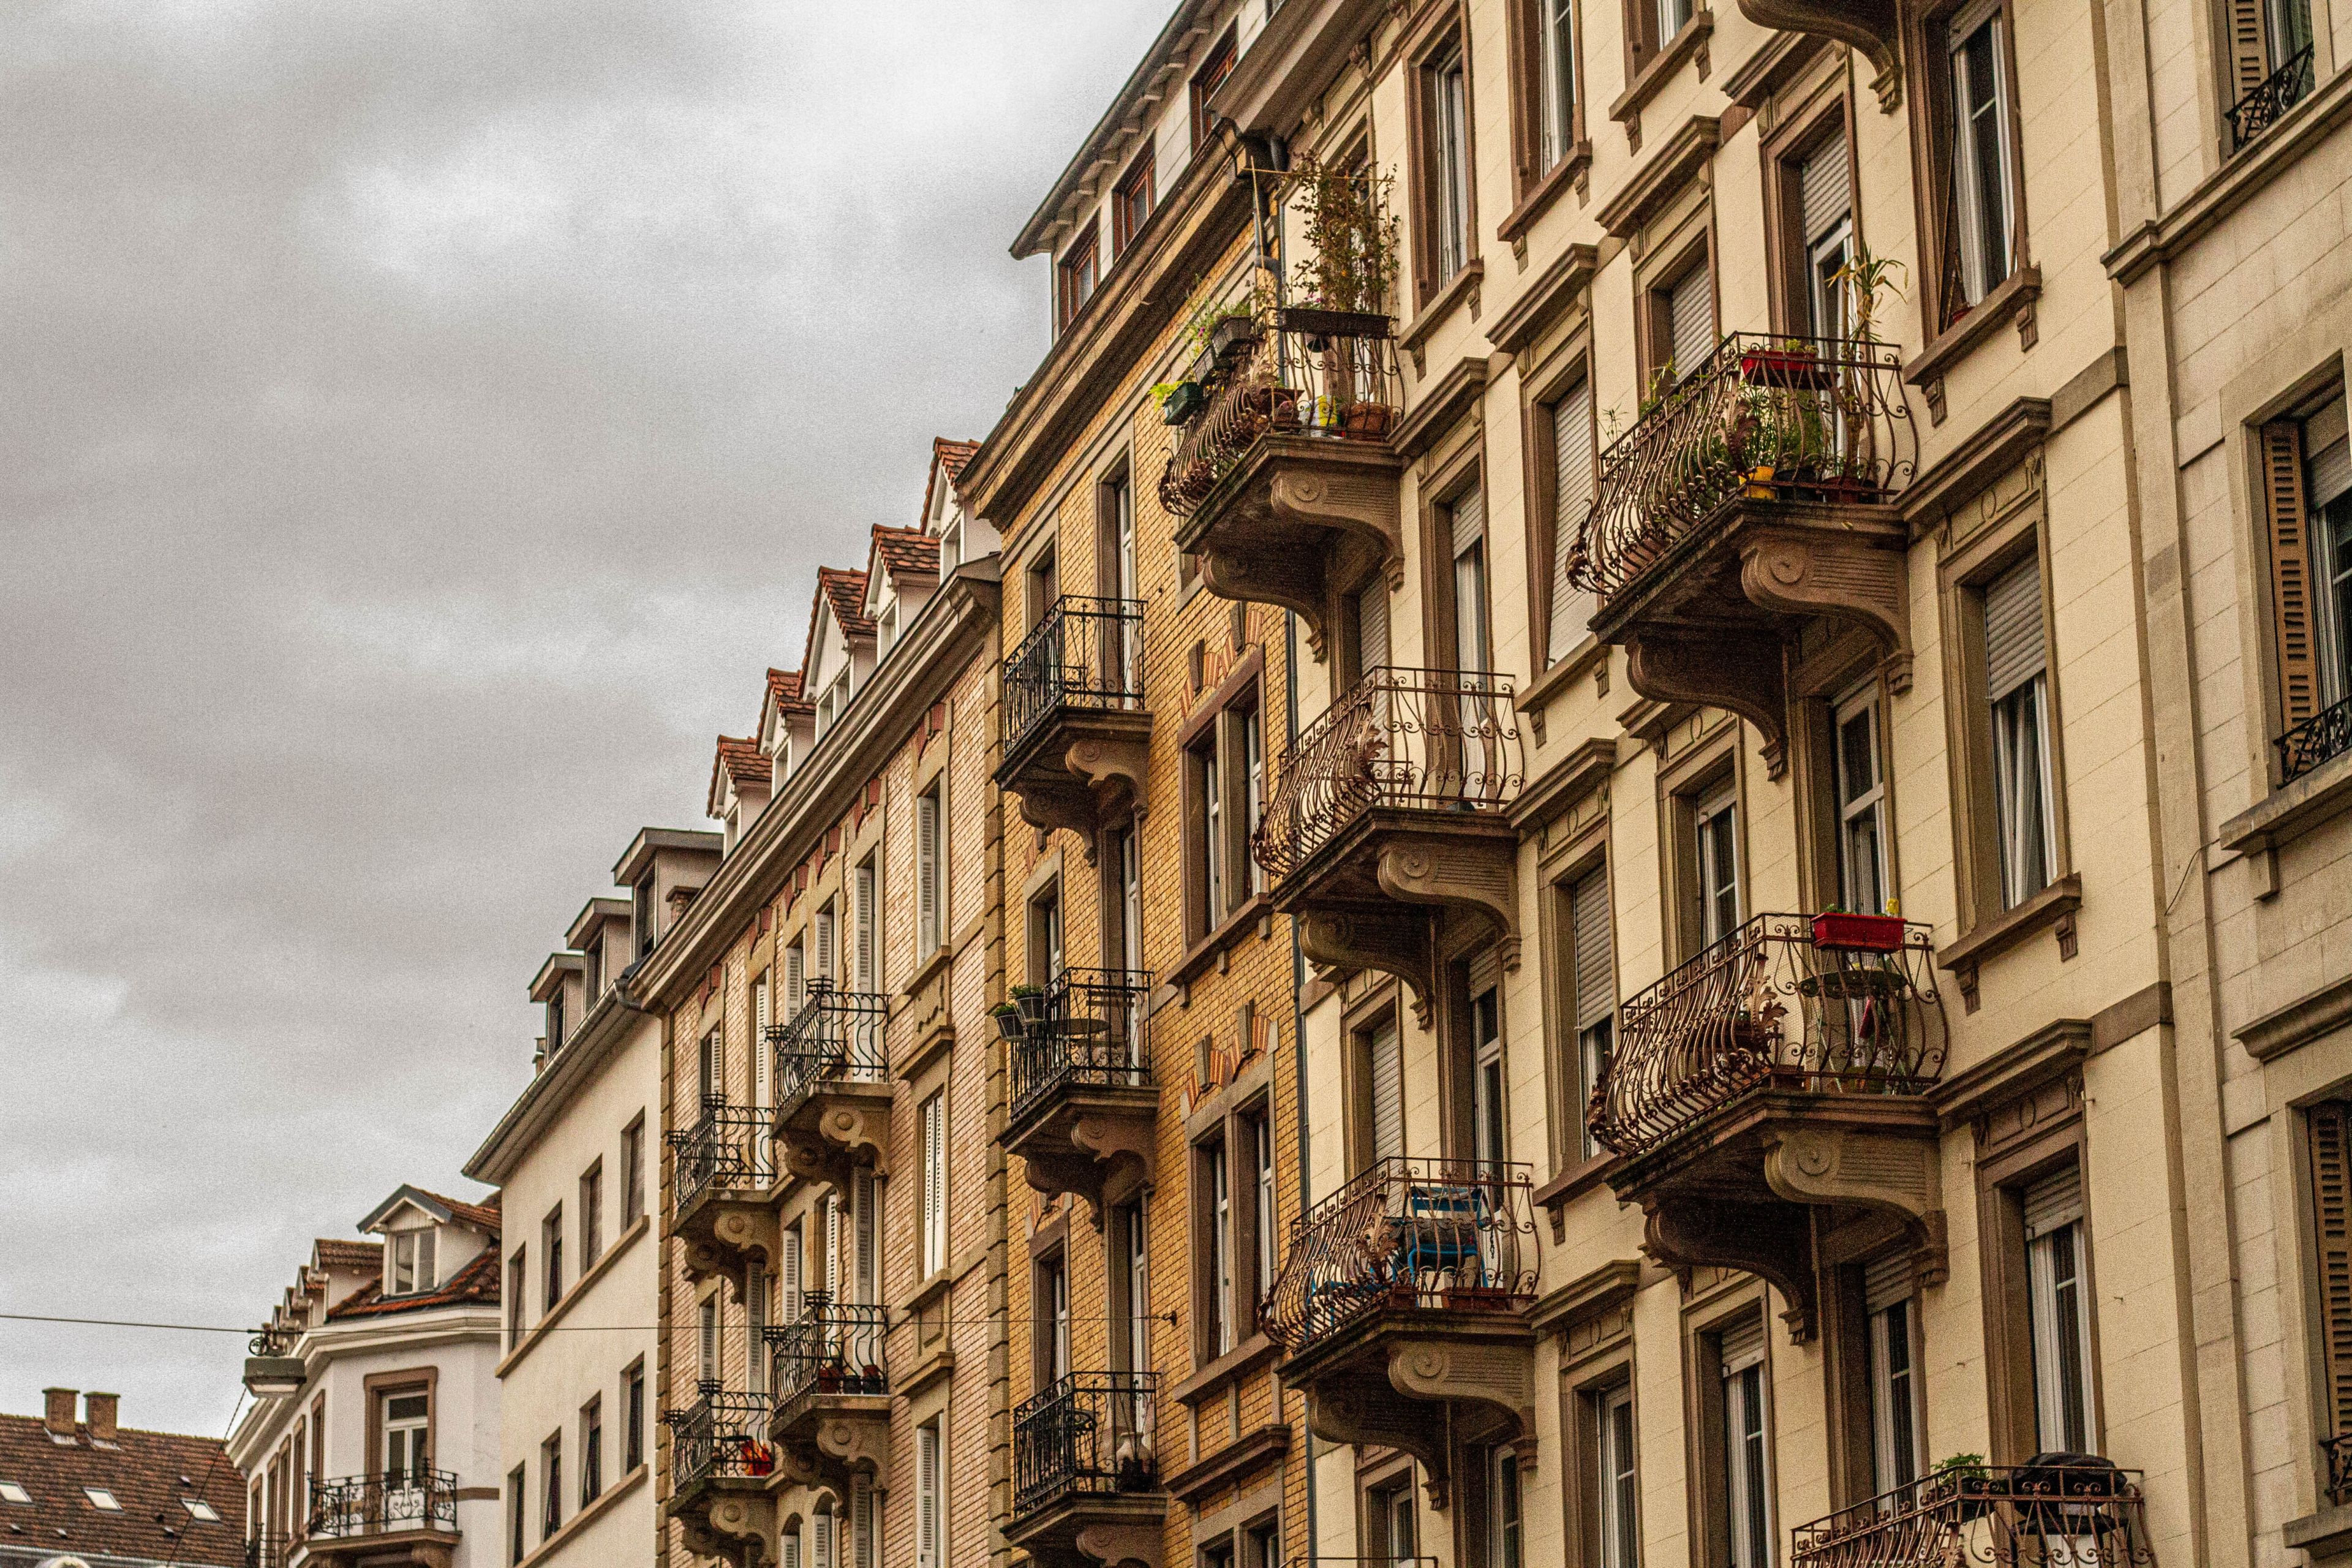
(1351, 238)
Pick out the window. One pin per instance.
(1226, 783)
(1569, 422)
(1390, 1523)
(1444, 130)
(930, 871)
(1980, 249)
(1862, 865)
(1260, 1128)
(517, 1507)
(1615, 1491)
(1667, 18)
(1123, 908)
(1205, 847)
(101, 1499)
(632, 1413)
(2017, 684)
(1210, 75)
(1718, 865)
(2327, 1132)
(1130, 1290)
(1383, 1056)
(1253, 802)
(2306, 475)
(1220, 1554)
(2061, 1313)
(1593, 999)
(592, 1216)
(821, 1534)
(1489, 1143)
(592, 1450)
(865, 1521)
(591, 968)
(551, 1249)
(2270, 48)
(789, 1264)
(1262, 1546)
(1554, 59)
(641, 910)
(795, 977)
(1504, 1548)
(789, 1548)
(1075, 277)
(1369, 615)
(518, 1286)
(866, 1199)
(11, 1491)
(1897, 1427)
(821, 950)
(706, 1339)
(632, 1171)
(405, 1420)
(1746, 1489)
(412, 1262)
(763, 1054)
(1132, 203)
(755, 1328)
(1681, 319)
(930, 1494)
(550, 1463)
(197, 1508)
(866, 912)
(1820, 181)
(934, 1116)
(710, 1069)
(1045, 957)
(1051, 1308)
(1215, 1284)
(555, 1018)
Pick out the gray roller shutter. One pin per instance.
(2014, 646)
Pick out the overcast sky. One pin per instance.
(419, 421)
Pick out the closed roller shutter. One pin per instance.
(2013, 647)
(1388, 1092)
(1571, 447)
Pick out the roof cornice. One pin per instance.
(571, 1070)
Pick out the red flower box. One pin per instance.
(1858, 933)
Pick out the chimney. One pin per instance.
(58, 1411)
(98, 1410)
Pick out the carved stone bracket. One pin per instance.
(1888, 1173)
(1354, 1413)
(1304, 517)
(1871, 26)
(1772, 1241)
(1809, 572)
(1121, 1545)
(1108, 767)
(1741, 674)
(1049, 806)
(735, 1528)
(1498, 1378)
(1100, 1154)
(1483, 876)
(843, 1131)
(1402, 942)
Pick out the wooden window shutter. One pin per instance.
(2291, 606)
(2249, 60)
(2330, 1131)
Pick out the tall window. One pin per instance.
(592, 1450)
(1862, 806)
(795, 977)
(1052, 1307)
(865, 1192)
(755, 1327)
(1682, 321)
(867, 913)
(1555, 77)
(1369, 608)
(1570, 419)
(1384, 1063)
(550, 1464)
(1205, 844)
(1615, 1491)
(1593, 978)
(1132, 203)
(1467, 518)
(821, 935)
(405, 1420)
(706, 1339)
(2306, 476)
(1748, 1488)
(1131, 1289)
(1123, 909)
(763, 1054)
(632, 1171)
(935, 1183)
(518, 1509)
(632, 1413)
(930, 871)
(1982, 161)
(1446, 140)
(865, 1521)
(518, 1290)
(1262, 1211)
(2270, 48)
(2327, 1132)
(2017, 684)
(1213, 70)
(555, 1019)
(1395, 1530)
(790, 1259)
(2059, 1296)
(710, 1068)
(1217, 1257)
(1718, 864)
(412, 1262)
(592, 1216)
(930, 1494)
(1670, 17)
(1825, 186)
(1075, 277)
(1897, 1431)
(1504, 1546)
(1487, 1135)
(551, 1251)
(641, 912)
(1045, 956)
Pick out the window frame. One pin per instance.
(592, 1216)
(1142, 180)
(1207, 77)
(1542, 393)
(1078, 274)
(1927, 54)
(1828, 113)
(1444, 42)
(633, 1171)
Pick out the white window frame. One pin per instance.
(1618, 1482)
(1866, 804)
(1967, 173)
(1716, 863)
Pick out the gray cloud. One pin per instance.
(421, 422)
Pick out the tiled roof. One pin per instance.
(740, 760)
(948, 459)
(783, 686)
(334, 1252)
(845, 590)
(476, 1284)
(907, 550)
(147, 1472)
(484, 1215)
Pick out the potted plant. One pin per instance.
(1008, 1022)
(1962, 1477)
(1792, 365)
(1029, 1002)
(1366, 421)
(1862, 277)
(1180, 400)
(1351, 240)
(1842, 930)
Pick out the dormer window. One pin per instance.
(952, 545)
(101, 1499)
(555, 1020)
(592, 969)
(411, 1263)
(1075, 277)
(644, 917)
(834, 703)
(886, 628)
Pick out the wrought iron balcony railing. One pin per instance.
(2322, 737)
(2272, 98)
(1430, 739)
(267, 1550)
(832, 1347)
(382, 1503)
(720, 1433)
(1084, 1030)
(836, 1038)
(1091, 1434)
(1771, 1006)
(1406, 1232)
(1764, 418)
(1084, 653)
(2056, 1510)
(1313, 372)
(2337, 1452)
(730, 1149)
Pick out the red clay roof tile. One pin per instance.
(148, 1473)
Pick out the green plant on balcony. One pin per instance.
(1863, 276)
(1352, 237)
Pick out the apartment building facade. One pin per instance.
(373, 1433)
(576, 1153)
(832, 1203)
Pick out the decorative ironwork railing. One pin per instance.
(1765, 418)
(1408, 1232)
(1431, 739)
(1772, 1006)
(267, 1550)
(2266, 102)
(2337, 1452)
(719, 1435)
(1088, 1435)
(832, 1347)
(1312, 373)
(1084, 653)
(1084, 1030)
(382, 1503)
(729, 1148)
(2322, 737)
(836, 1038)
(2056, 1510)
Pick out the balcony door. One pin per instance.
(1490, 1143)
(406, 1423)
(1385, 1052)
(1481, 767)
(1862, 882)
(1717, 866)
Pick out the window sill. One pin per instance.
(539, 1330)
(1572, 169)
(2012, 300)
(1238, 1362)
(925, 972)
(1211, 950)
(2290, 811)
(605, 1502)
(1571, 1184)
(1689, 40)
(1193, 1484)
(2054, 908)
(1440, 304)
(1537, 695)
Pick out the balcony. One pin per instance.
(832, 1413)
(1774, 1089)
(1387, 818)
(2056, 1510)
(832, 1083)
(1400, 1309)
(1085, 1111)
(721, 1170)
(719, 1471)
(393, 1516)
(266, 1551)
(1086, 1473)
(1285, 483)
(2322, 737)
(2337, 1452)
(2264, 103)
(1075, 731)
(1750, 504)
